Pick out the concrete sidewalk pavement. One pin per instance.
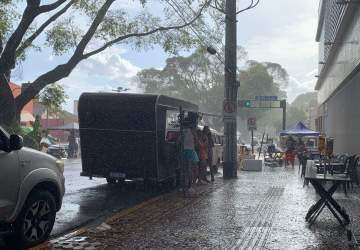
(259, 210)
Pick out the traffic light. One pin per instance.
(247, 103)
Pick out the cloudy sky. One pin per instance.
(280, 31)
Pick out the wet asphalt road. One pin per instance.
(87, 200)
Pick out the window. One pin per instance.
(172, 119)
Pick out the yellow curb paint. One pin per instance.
(130, 210)
(48, 245)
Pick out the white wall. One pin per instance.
(343, 118)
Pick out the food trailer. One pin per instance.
(123, 136)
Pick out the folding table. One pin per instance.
(326, 199)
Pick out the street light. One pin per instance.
(211, 50)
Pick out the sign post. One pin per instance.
(252, 126)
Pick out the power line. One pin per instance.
(197, 32)
(207, 29)
(177, 9)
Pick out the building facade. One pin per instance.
(26, 116)
(338, 82)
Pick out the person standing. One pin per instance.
(203, 155)
(190, 157)
(211, 144)
(302, 156)
(290, 151)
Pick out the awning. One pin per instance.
(301, 130)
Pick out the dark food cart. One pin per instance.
(123, 136)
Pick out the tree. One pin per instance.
(53, 97)
(199, 78)
(104, 24)
(305, 101)
(259, 79)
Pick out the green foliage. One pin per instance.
(8, 15)
(31, 139)
(294, 115)
(199, 78)
(89, 7)
(53, 97)
(305, 101)
(257, 80)
(63, 36)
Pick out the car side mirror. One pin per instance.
(16, 142)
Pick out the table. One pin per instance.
(326, 199)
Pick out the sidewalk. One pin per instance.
(259, 210)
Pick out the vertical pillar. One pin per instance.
(230, 95)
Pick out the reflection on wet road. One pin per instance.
(86, 200)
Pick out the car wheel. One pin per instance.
(35, 222)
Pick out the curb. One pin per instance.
(48, 245)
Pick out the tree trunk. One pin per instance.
(7, 103)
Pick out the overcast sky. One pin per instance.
(280, 31)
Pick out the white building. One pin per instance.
(338, 82)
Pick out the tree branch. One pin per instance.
(50, 7)
(1, 44)
(217, 7)
(141, 34)
(8, 57)
(91, 31)
(252, 5)
(30, 39)
(63, 70)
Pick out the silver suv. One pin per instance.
(31, 192)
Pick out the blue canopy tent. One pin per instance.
(299, 130)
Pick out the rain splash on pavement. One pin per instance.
(259, 210)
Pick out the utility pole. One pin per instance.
(231, 88)
(283, 106)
